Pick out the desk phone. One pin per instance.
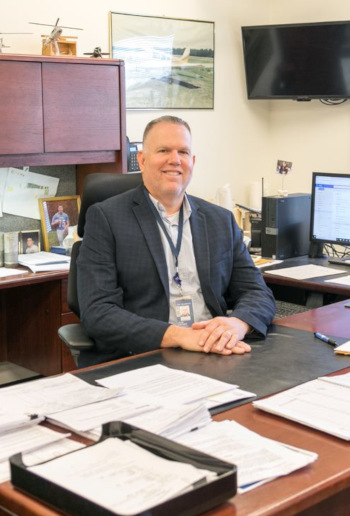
(132, 149)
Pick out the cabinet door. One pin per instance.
(81, 107)
(21, 115)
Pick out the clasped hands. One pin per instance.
(221, 335)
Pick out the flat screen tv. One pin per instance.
(330, 208)
(297, 61)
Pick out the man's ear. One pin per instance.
(141, 159)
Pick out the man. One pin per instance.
(158, 268)
(31, 246)
(60, 222)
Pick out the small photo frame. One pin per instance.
(284, 167)
(29, 241)
(59, 216)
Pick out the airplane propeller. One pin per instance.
(55, 25)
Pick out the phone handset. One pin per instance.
(132, 150)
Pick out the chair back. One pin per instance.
(97, 187)
(100, 186)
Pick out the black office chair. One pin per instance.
(97, 187)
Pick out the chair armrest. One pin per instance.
(74, 336)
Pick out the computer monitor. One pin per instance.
(330, 209)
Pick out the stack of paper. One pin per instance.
(35, 442)
(323, 404)
(164, 401)
(165, 385)
(258, 459)
(132, 484)
(53, 394)
(44, 261)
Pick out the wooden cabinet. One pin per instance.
(21, 113)
(62, 111)
(32, 308)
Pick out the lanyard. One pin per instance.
(174, 249)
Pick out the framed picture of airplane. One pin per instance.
(169, 62)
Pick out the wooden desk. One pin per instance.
(321, 489)
(32, 308)
(289, 289)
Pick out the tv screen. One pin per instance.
(330, 208)
(297, 61)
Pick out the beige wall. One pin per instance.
(312, 135)
(239, 141)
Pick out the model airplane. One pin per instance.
(96, 53)
(2, 44)
(55, 35)
(163, 66)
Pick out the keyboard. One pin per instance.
(339, 261)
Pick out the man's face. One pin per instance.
(166, 162)
(60, 209)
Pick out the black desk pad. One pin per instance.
(287, 357)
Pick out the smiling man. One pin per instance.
(160, 268)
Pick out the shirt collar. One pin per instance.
(161, 210)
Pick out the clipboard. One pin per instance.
(200, 499)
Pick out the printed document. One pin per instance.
(257, 458)
(44, 453)
(26, 438)
(44, 261)
(22, 192)
(52, 394)
(302, 272)
(134, 483)
(166, 384)
(323, 404)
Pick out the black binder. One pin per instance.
(200, 499)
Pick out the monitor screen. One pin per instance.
(297, 61)
(330, 208)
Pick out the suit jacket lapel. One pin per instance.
(201, 250)
(149, 227)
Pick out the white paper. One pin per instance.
(302, 272)
(26, 438)
(5, 272)
(166, 384)
(133, 483)
(339, 379)
(343, 280)
(319, 404)
(173, 421)
(88, 417)
(46, 452)
(23, 189)
(257, 458)
(52, 394)
(45, 261)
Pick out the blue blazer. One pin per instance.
(123, 285)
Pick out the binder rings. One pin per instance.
(196, 501)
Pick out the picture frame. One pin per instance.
(29, 241)
(59, 217)
(169, 62)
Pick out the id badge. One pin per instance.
(184, 311)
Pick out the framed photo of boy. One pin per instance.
(29, 241)
(58, 216)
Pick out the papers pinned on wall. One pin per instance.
(20, 190)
